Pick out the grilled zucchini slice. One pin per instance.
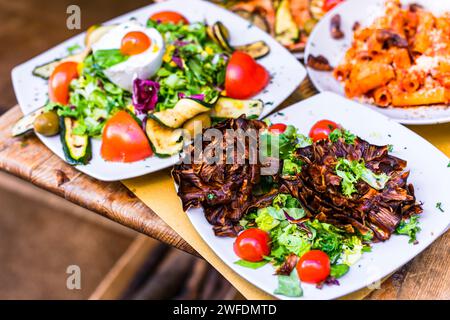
(26, 123)
(77, 149)
(45, 70)
(184, 110)
(165, 141)
(286, 30)
(227, 108)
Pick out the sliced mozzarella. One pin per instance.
(143, 65)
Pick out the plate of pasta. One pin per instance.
(391, 55)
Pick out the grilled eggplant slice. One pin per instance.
(228, 108)
(165, 141)
(222, 35)
(77, 149)
(256, 49)
(26, 123)
(184, 110)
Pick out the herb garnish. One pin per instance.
(409, 227)
(439, 206)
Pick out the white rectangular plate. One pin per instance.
(365, 11)
(430, 175)
(287, 73)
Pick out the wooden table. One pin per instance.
(425, 277)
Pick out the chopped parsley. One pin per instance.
(211, 196)
(439, 206)
(390, 147)
(352, 171)
(410, 228)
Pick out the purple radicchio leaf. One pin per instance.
(200, 96)
(145, 95)
(178, 61)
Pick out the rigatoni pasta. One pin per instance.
(401, 60)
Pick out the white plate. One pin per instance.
(365, 11)
(429, 174)
(287, 74)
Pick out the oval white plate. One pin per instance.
(429, 174)
(287, 74)
(364, 12)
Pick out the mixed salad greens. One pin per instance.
(194, 65)
(293, 235)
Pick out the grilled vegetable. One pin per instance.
(25, 124)
(228, 108)
(256, 49)
(197, 124)
(315, 8)
(47, 123)
(45, 70)
(261, 22)
(222, 35)
(184, 110)
(94, 33)
(164, 141)
(286, 30)
(77, 149)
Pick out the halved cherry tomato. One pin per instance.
(135, 42)
(169, 16)
(322, 129)
(58, 84)
(277, 128)
(244, 76)
(123, 140)
(252, 245)
(330, 4)
(313, 266)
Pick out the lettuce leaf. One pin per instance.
(289, 285)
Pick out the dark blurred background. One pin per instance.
(41, 234)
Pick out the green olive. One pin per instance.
(197, 124)
(47, 124)
(309, 26)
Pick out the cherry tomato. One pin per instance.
(169, 17)
(330, 4)
(135, 42)
(313, 266)
(244, 76)
(252, 245)
(322, 129)
(58, 84)
(123, 140)
(277, 128)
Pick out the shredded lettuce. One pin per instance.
(193, 64)
(109, 57)
(93, 100)
(352, 171)
(289, 285)
(410, 228)
(337, 133)
(283, 145)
